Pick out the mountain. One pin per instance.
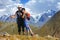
(36, 20)
(44, 18)
(6, 18)
(52, 27)
(9, 31)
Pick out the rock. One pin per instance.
(4, 34)
(49, 36)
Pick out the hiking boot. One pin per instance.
(32, 34)
(19, 33)
(23, 33)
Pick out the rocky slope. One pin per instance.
(52, 27)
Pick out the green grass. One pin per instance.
(11, 28)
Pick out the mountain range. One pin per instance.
(37, 21)
(51, 27)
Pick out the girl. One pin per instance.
(26, 15)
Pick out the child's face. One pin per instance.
(23, 11)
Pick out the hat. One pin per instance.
(19, 6)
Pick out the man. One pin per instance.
(20, 20)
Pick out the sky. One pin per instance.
(35, 7)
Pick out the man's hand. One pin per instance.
(13, 16)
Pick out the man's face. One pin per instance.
(19, 8)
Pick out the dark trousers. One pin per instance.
(20, 26)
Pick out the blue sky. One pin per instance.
(35, 7)
(24, 1)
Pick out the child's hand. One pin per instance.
(22, 16)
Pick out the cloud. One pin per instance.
(8, 6)
(49, 16)
(35, 7)
(38, 6)
(58, 6)
(41, 6)
(1, 10)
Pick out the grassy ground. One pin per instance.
(11, 28)
(23, 37)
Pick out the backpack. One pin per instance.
(28, 16)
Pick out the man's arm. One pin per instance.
(13, 16)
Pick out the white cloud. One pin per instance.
(49, 16)
(1, 10)
(8, 6)
(51, 1)
(35, 7)
(38, 6)
(58, 6)
(36, 17)
(41, 7)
